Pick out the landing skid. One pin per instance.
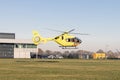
(66, 47)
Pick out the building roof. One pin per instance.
(29, 41)
(7, 35)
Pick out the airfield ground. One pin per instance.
(59, 69)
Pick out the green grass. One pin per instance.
(59, 69)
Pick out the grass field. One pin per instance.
(59, 69)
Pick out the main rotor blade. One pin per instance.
(71, 30)
(61, 31)
(80, 33)
(55, 30)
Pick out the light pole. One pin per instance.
(37, 51)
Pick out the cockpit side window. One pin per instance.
(68, 40)
(76, 40)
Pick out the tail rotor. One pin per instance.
(36, 37)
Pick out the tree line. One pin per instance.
(73, 54)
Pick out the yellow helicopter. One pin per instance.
(65, 40)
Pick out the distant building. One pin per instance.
(99, 55)
(15, 48)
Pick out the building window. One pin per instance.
(25, 46)
(16, 46)
(31, 46)
(6, 50)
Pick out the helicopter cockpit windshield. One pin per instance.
(75, 39)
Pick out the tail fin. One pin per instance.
(36, 37)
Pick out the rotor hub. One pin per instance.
(36, 39)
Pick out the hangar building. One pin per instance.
(15, 48)
(99, 55)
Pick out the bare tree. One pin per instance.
(40, 51)
(100, 51)
(65, 54)
(48, 52)
(57, 53)
(111, 54)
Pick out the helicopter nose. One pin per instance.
(80, 41)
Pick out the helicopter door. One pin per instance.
(62, 37)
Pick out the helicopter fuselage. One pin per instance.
(66, 40)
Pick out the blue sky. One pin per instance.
(99, 18)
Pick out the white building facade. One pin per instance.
(15, 48)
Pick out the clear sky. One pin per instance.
(99, 18)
